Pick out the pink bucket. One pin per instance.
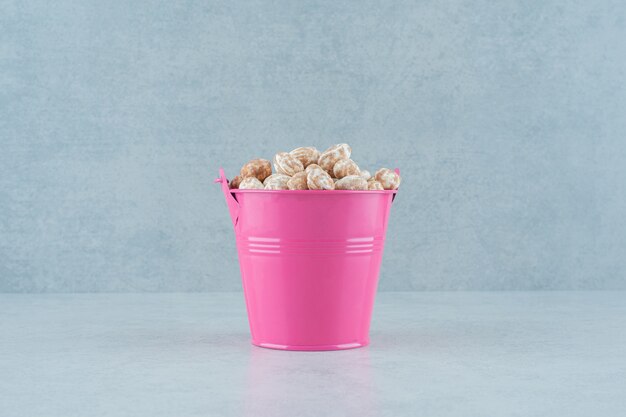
(309, 263)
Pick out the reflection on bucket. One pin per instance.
(309, 263)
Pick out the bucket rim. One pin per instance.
(313, 192)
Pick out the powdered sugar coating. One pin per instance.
(345, 167)
(388, 178)
(250, 183)
(298, 181)
(284, 163)
(374, 185)
(277, 182)
(318, 179)
(351, 182)
(276, 176)
(257, 168)
(307, 155)
(312, 166)
(330, 156)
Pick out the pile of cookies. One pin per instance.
(307, 168)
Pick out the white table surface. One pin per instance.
(431, 354)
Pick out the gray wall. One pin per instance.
(507, 118)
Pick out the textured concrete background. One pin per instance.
(507, 118)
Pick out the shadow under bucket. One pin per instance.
(309, 263)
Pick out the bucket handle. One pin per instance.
(397, 171)
(233, 205)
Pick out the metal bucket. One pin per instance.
(309, 263)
